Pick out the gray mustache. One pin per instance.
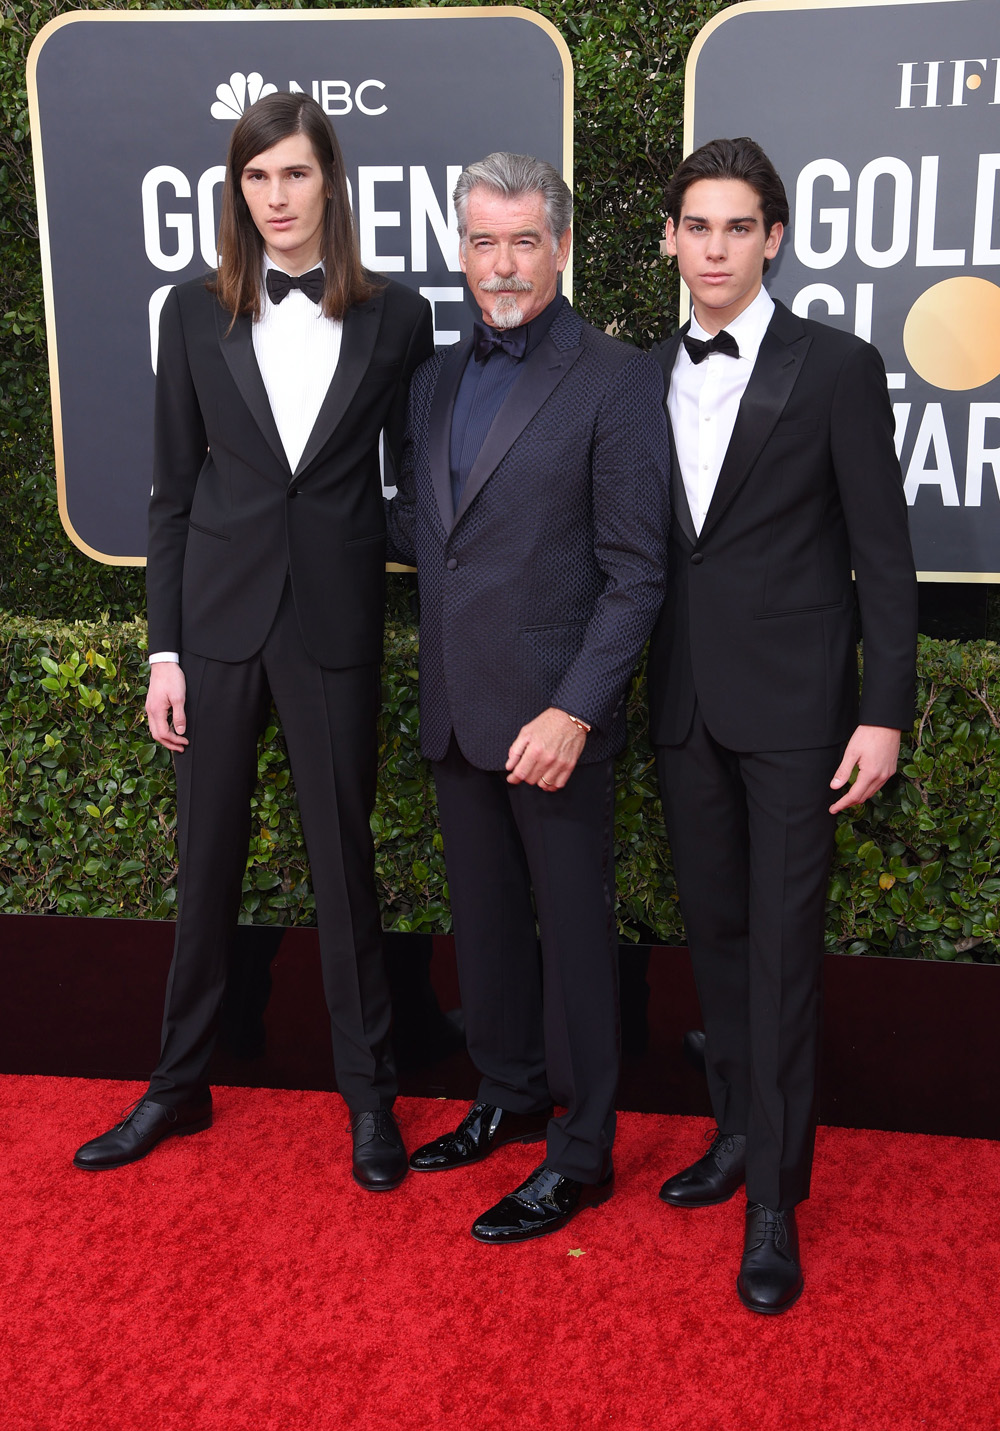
(512, 285)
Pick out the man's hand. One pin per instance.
(165, 697)
(874, 749)
(546, 750)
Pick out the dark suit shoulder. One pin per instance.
(834, 343)
(397, 297)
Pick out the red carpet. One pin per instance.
(238, 1280)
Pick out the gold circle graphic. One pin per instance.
(973, 82)
(951, 336)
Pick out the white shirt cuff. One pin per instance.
(163, 656)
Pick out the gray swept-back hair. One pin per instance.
(512, 176)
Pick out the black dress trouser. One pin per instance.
(541, 1027)
(751, 837)
(329, 722)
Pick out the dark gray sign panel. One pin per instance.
(131, 115)
(883, 118)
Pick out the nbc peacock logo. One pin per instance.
(239, 94)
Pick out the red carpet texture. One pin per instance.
(238, 1280)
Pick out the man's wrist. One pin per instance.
(580, 724)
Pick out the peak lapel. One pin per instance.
(439, 427)
(357, 344)
(541, 373)
(778, 364)
(666, 355)
(241, 360)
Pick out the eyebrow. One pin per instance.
(489, 233)
(285, 168)
(697, 219)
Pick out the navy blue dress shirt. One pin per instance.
(480, 396)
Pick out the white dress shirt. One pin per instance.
(704, 398)
(297, 350)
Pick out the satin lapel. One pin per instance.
(679, 507)
(778, 364)
(541, 373)
(439, 427)
(680, 510)
(241, 360)
(357, 344)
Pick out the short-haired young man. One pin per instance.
(785, 482)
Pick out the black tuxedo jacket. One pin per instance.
(541, 589)
(229, 520)
(758, 625)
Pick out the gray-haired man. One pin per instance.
(532, 499)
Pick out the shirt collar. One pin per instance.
(748, 328)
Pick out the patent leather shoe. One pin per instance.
(543, 1203)
(144, 1125)
(713, 1178)
(770, 1277)
(483, 1128)
(379, 1160)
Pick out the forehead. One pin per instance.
(295, 151)
(721, 199)
(488, 212)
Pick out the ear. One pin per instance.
(670, 239)
(562, 250)
(461, 256)
(773, 242)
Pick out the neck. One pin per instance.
(713, 320)
(294, 264)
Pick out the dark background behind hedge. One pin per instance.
(85, 804)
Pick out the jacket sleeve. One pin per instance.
(874, 505)
(179, 450)
(420, 346)
(631, 511)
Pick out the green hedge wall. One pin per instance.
(628, 60)
(87, 814)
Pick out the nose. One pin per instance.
(276, 194)
(505, 264)
(716, 247)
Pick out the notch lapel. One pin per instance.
(357, 344)
(666, 356)
(241, 360)
(541, 373)
(439, 427)
(778, 364)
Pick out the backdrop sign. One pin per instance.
(131, 115)
(883, 118)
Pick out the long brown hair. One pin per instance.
(241, 245)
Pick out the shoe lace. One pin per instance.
(720, 1142)
(133, 1109)
(773, 1229)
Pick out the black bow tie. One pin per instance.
(722, 343)
(279, 284)
(488, 340)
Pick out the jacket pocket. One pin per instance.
(207, 532)
(799, 610)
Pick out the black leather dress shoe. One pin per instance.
(483, 1128)
(770, 1277)
(143, 1127)
(379, 1161)
(543, 1203)
(713, 1178)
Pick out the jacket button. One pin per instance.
(452, 564)
(697, 558)
(294, 492)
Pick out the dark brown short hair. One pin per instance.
(241, 245)
(732, 159)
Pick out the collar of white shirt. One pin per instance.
(748, 328)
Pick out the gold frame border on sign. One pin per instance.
(749, 7)
(74, 17)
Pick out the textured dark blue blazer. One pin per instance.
(542, 588)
